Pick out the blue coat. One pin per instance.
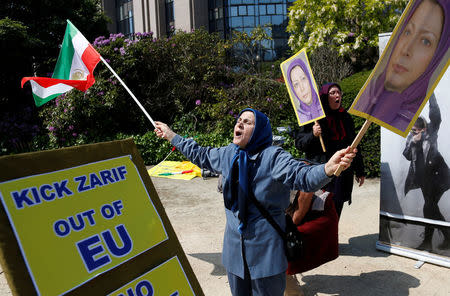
(273, 172)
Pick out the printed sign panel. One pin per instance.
(168, 279)
(302, 88)
(77, 223)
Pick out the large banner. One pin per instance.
(80, 216)
(415, 183)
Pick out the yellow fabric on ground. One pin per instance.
(174, 167)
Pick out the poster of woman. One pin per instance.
(302, 88)
(415, 180)
(414, 61)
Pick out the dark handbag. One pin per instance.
(292, 238)
(294, 242)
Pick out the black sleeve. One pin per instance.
(358, 162)
(305, 140)
(407, 150)
(435, 115)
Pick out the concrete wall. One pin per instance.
(149, 16)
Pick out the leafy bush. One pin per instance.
(370, 143)
(168, 76)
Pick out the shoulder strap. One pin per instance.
(266, 215)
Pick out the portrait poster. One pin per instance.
(415, 183)
(416, 57)
(302, 88)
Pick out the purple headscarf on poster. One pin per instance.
(305, 112)
(398, 109)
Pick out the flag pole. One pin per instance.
(321, 141)
(128, 90)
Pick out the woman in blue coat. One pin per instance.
(253, 252)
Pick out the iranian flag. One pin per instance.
(74, 68)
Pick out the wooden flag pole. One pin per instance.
(355, 143)
(129, 91)
(321, 141)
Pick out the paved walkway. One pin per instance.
(195, 210)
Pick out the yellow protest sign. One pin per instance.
(76, 223)
(168, 279)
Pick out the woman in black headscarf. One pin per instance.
(338, 131)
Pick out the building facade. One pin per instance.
(222, 16)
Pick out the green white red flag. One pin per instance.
(74, 68)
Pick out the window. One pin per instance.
(234, 11)
(262, 9)
(280, 10)
(170, 19)
(236, 22)
(242, 10)
(219, 25)
(125, 17)
(245, 15)
(251, 10)
(277, 20)
(264, 20)
(249, 21)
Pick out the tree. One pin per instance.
(31, 32)
(45, 21)
(349, 26)
(248, 49)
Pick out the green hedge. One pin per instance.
(370, 143)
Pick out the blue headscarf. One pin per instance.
(261, 138)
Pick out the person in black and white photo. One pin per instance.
(428, 171)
